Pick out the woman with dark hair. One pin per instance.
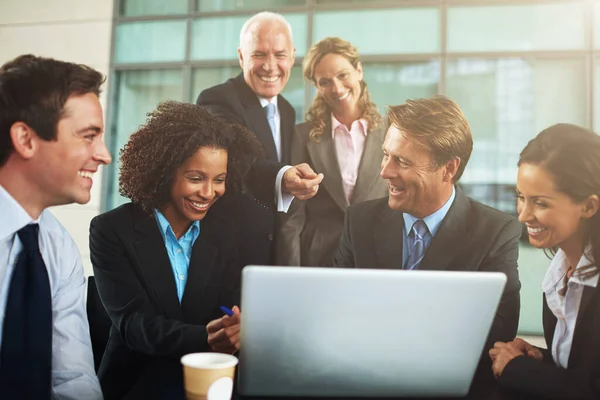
(342, 138)
(558, 196)
(163, 266)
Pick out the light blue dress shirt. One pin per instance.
(432, 221)
(179, 251)
(73, 375)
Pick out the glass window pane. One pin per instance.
(597, 95)
(203, 78)
(596, 24)
(137, 92)
(507, 102)
(394, 83)
(388, 31)
(134, 8)
(156, 41)
(555, 26)
(218, 38)
(226, 5)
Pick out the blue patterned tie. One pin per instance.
(419, 235)
(26, 352)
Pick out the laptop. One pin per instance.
(363, 332)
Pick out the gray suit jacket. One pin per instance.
(310, 232)
(472, 237)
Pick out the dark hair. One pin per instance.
(571, 155)
(438, 124)
(173, 133)
(34, 90)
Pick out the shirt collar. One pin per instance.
(264, 102)
(14, 217)
(165, 226)
(336, 124)
(558, 269)
(432, 221)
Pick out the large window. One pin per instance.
(514, 68)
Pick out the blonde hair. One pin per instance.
(439, 125)
(319, 111)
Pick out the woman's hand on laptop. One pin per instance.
(224, 333)
(501, 354)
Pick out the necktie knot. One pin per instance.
(419, 229)
(28, 235)
(270, 110)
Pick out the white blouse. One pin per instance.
(565, 305)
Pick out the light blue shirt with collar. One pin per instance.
(73, 375)
(282, 200)
(433, 222)
(179, 250)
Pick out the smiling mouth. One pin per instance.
(395, 189)
(199, 206)
(268, 79)
(535, 231)
(343, 97)
(85, 174)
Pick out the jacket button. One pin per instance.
(270, 237)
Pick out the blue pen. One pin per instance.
(227, 311)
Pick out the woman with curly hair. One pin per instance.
(342, 138)
(558, 199)
(163, 266)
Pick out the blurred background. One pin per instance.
(514, 66)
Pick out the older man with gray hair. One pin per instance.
(253, 99)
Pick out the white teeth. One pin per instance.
(395, 189)
(202, 206)
(268, 78)
(344, 96)
(535, 230)
(85, 174)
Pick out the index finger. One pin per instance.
(214, 326)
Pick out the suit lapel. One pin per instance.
(287, 123)
(256, 118)
(324, 157)
(588, 297)
(199, 272)
(370, 166)
(388, 236)
(449, 237)
(155, 262)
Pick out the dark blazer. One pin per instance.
(136, 284)
(254, 211)
(311, 231)
(581, 380)
(472, 237)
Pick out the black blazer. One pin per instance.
(581, 380)
(254, 212)
(472, 237)
(136, 284)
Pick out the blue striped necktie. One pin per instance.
(418, 234)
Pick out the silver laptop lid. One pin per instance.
(363, 332)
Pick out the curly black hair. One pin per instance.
(173, 133)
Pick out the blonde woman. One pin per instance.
(342, 138)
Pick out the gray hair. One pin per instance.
(265, 16)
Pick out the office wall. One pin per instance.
(70, 30)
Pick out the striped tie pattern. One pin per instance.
(418, 237)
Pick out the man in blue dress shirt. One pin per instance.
(51, 128)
